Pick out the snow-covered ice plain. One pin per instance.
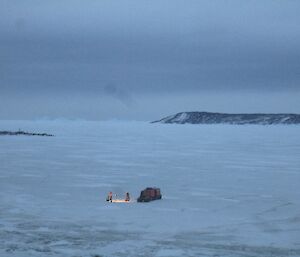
(227, 190)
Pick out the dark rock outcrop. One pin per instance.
(17, 133)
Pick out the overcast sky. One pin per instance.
(143, 59)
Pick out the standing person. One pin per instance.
(109, 197)
(127, 197)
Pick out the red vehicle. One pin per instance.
(149, 194)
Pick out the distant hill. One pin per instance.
(225, 118)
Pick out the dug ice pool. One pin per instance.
(227, 190)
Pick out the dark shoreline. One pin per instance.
(18, 133)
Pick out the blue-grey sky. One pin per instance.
(142, 59)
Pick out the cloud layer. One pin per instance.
(124, 50)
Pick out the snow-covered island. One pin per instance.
(226, 118)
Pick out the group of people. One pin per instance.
(109, 197)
